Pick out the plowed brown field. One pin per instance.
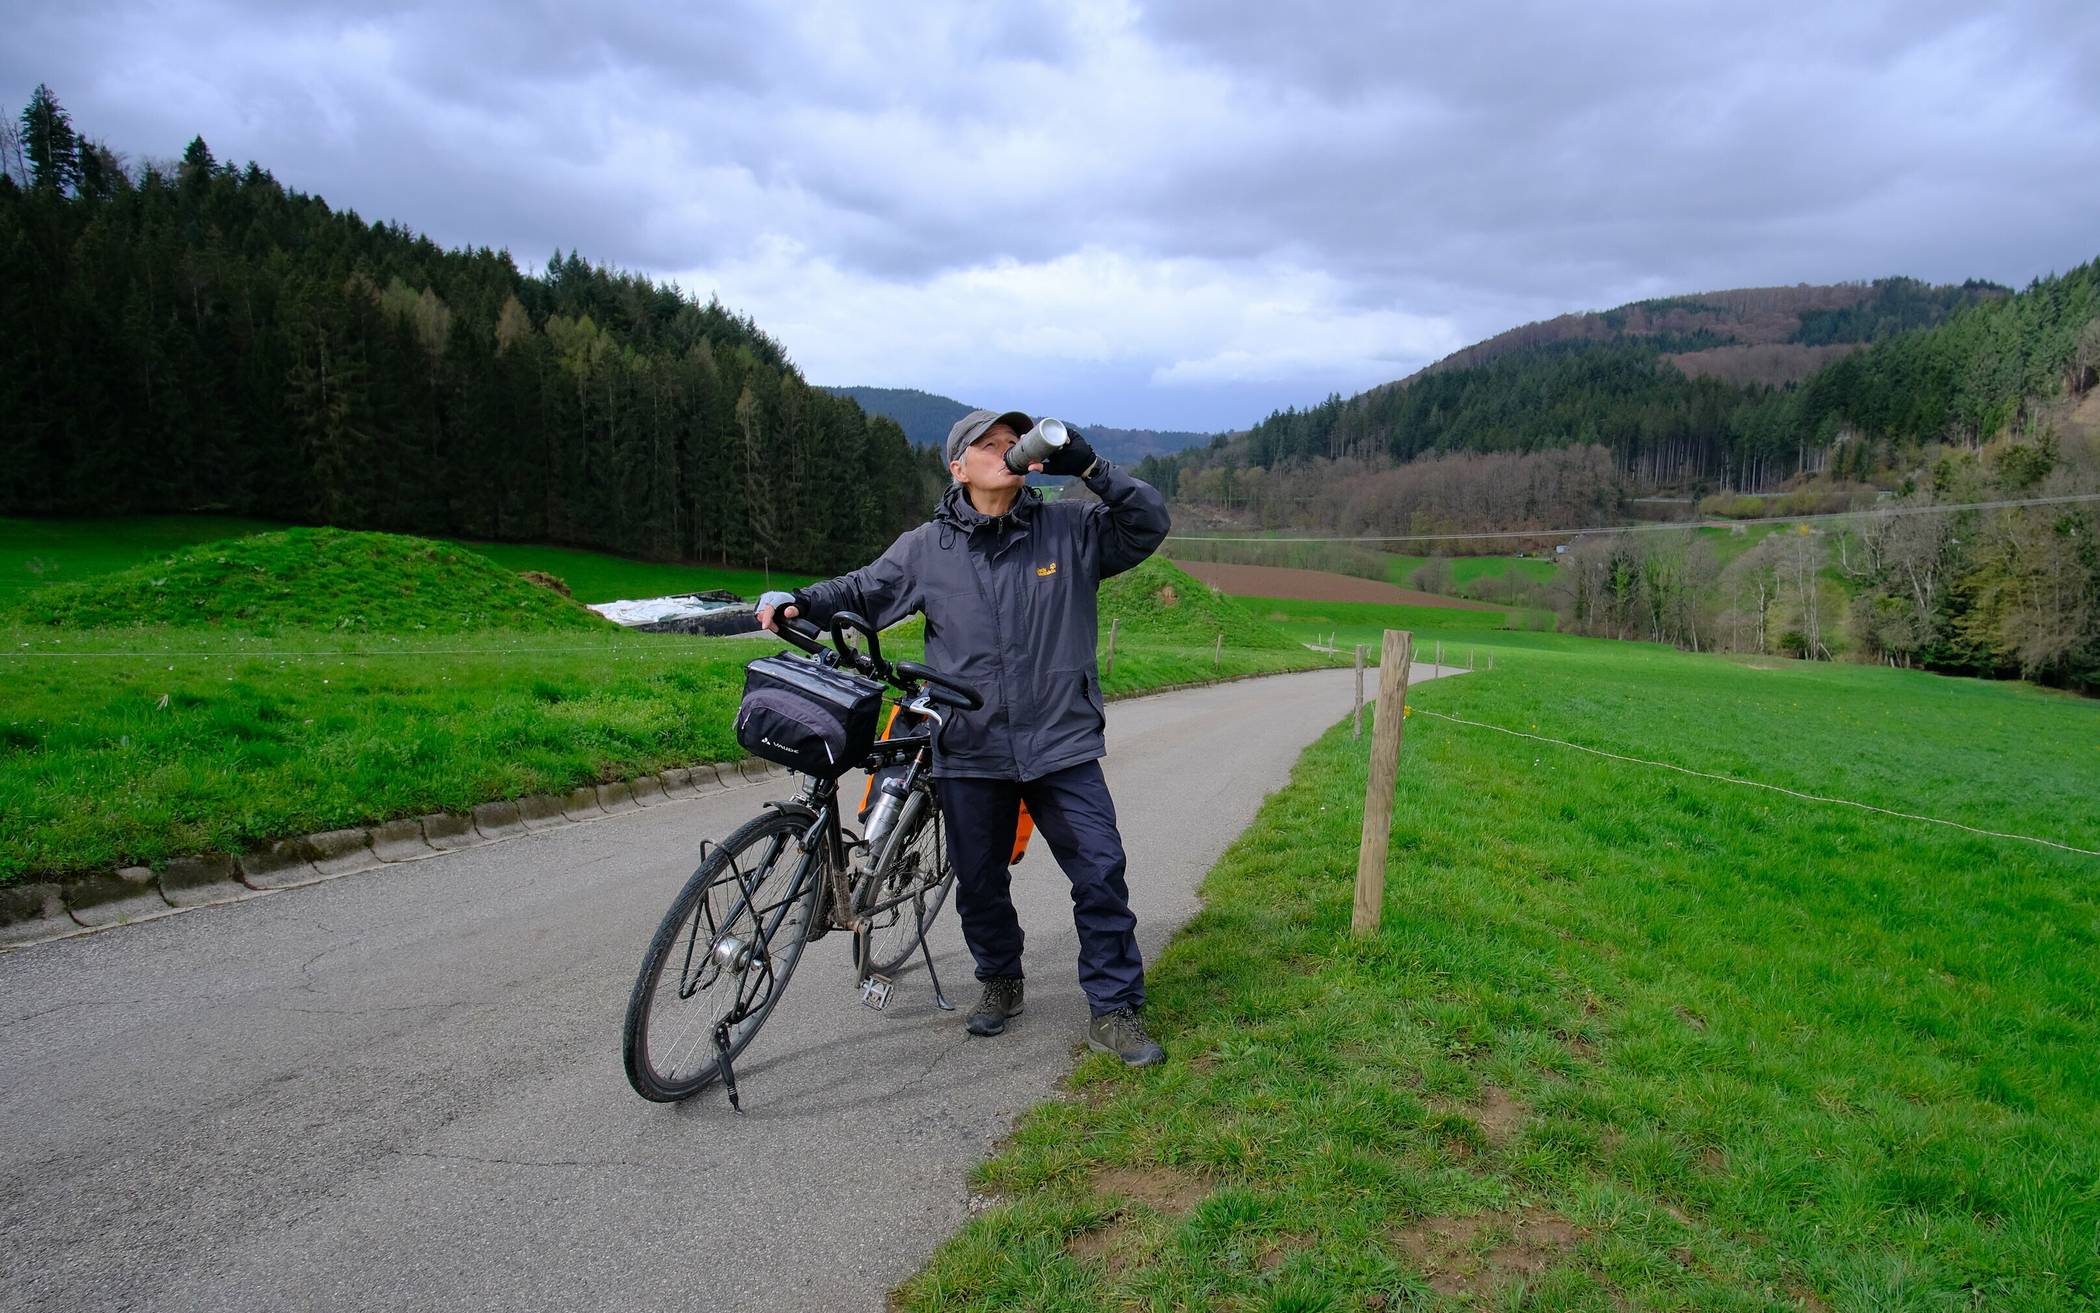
(1315, 586)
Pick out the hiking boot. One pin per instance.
(1001, 999)
(1122, 1032)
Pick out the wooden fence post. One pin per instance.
(1386, 722)
(1217, 649)
(1440, 652)
(1110, 667)
(1356, 728)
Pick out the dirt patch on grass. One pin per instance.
(1485, 1252)
(1106, 1245)
(1315, 586)
(1161, 1189)
(1276, 1248)
(1499, 1113)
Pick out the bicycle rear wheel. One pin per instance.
(721, 958)
(901, 899)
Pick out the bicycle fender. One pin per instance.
(802, 815)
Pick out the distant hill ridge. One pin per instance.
(926, 417)
(1808, 324)
(1740, 390)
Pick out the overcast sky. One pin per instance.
(1166, 216)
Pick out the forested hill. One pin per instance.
(201, 336)
(1700, 393)
(926, 418)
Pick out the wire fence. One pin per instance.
(1757, 784)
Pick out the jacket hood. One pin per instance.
(956, 511)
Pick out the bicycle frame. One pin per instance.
(821, 839)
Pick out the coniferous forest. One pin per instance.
(196, 335)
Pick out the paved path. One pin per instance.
(402, 1089)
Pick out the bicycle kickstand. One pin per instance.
(728, 1072)
(940, 996)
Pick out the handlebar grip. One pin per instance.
(959, 695)
(801, 633)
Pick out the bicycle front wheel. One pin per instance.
(721, 958)
(901, 899)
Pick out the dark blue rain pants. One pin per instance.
(1074, 813)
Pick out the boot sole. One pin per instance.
(1098, 1047)
(1000, 1029)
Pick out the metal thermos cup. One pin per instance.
(1037, 444)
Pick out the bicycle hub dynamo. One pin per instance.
(734, 954)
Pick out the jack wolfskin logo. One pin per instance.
(1042, 570)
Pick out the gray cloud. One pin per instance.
(1234, 206)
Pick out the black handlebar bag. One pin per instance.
(807, 716)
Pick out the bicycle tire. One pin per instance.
(713, 905)
(915, 876)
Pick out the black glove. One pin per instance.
(1075, 457)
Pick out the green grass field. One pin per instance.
(1351, 623)
(34, 553)
(1627, 1039)
(1468, 570)
(262, 713)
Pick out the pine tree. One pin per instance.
(48, 138)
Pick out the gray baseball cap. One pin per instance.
(973, 426)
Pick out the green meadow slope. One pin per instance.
(1628, 1037)
(304, 680)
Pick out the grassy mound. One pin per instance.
(311, 579)
(1159, 602)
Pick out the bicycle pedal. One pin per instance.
(875, 991)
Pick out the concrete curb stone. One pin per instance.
(677, 782)
(399, 841)
(444, 831)
(707, 778)
(199, 881)
(30, 913)
(581, 804)
(617, 797)
(342, 852)
(114, 897)
(648, 790)
(752, 769)
(285, 864)
(540, 811)
(498, 820)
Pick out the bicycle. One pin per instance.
(726, 949)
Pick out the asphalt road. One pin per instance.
(402, 1089)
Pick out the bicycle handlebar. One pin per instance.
(956, 694)
(871, 661)
(802, 634)
(944, 689)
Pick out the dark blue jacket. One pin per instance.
(1009, 605)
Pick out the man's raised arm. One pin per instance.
(1131, 520)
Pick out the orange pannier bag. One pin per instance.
(1024, 824)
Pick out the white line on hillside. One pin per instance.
(1663, 526)
(1754, 784)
